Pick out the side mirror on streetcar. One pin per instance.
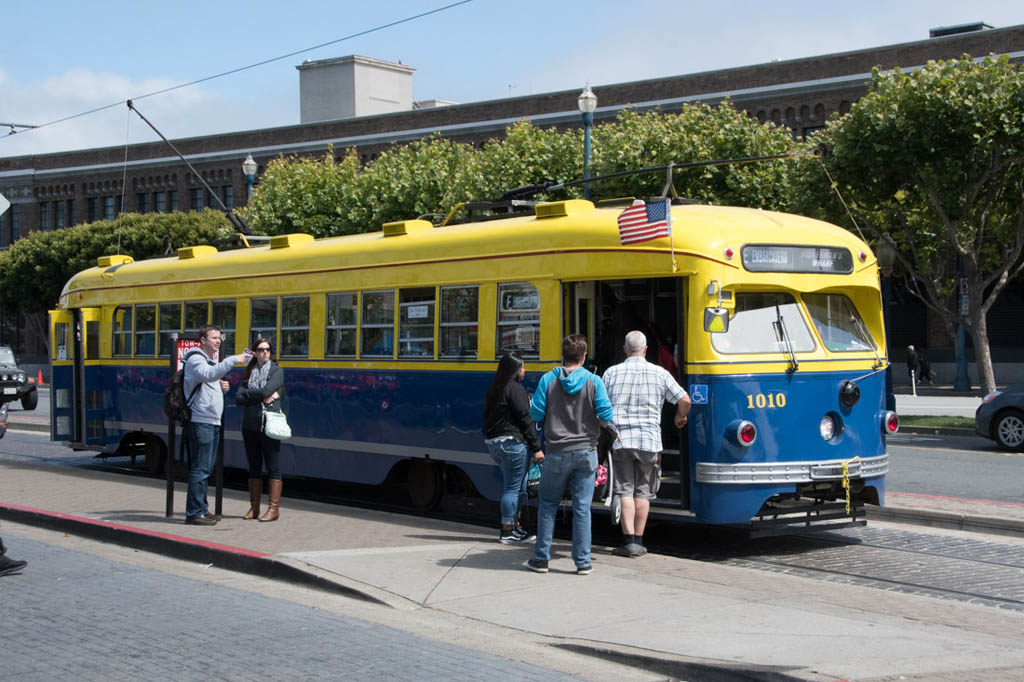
(716, 320)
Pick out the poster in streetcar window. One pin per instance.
(519, 319)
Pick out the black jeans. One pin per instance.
(261, 450)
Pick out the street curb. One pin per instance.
(937, 431)
(178, 547)
(941, 519)
(21, 426)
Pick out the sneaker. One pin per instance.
(509, 537)
(9, 566)
(524, 535)
(641, 550)
(537, 565)
(201, 521)
(584, 570)
(630, 549)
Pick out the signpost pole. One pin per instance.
(172, 427)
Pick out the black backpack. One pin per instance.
(176, 406)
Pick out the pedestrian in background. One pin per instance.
(924, 368)
(203, 431)
(8, 565)
(511, 438)
(261, 390)
(638, 389)
(912, 364)
(573, 405)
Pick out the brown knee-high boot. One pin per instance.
(275, 501)
(255, 493)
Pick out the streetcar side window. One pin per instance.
(222, 314)
(518, 319)
(145, 330)
(460, 313)
(170, 321)
(122, 328)
(754, 326)
(838, 323)
(263, 321)
(342, 310)
(416, 323)
(378, 324)
(196, 314)
(60, 344)
(295, 326)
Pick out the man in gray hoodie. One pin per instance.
(572, 404)
(205, 388)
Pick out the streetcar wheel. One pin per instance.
(616, 510)
(426, 484)
(30, 400)
(1009, 430)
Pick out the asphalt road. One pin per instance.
(970, 467)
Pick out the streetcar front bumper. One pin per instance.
(774, 473)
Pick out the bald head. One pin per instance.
(635, 344)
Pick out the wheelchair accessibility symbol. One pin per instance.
(699, 394)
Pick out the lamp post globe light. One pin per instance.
(885, 251)
(249, 170)
(588, 103)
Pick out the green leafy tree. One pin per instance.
(935, 158)
(35, 269)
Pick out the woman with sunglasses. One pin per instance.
(261, 389)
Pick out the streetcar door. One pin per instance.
(605, 311)
(65, 390)
(92, 410)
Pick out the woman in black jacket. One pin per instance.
(510, 434)
(261, 389)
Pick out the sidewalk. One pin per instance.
(665, 613)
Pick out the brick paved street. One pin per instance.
(74, 615)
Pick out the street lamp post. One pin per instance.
(962, 381)
(249, 169)
(885, 250)
(588, 103)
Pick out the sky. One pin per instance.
(60, 58)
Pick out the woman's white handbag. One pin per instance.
(275, 425)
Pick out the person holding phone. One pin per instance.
(261, 390)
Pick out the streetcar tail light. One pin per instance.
(891, 422)
(747, 434)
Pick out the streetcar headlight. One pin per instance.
(827, 427)
(891, 422)
(741, 432)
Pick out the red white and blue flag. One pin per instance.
(643, 222)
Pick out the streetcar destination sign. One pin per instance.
(782, 258)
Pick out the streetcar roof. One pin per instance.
(699, 231)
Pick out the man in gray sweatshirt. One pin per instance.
(202, 370)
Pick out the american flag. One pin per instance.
(643, 222)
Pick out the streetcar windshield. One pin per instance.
(752, 328)
(838, 323)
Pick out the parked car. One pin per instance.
(16, 384)
(3, 419)
(1001, 417)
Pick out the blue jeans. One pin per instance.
(577, 468)
(510, 455)
(202, 446)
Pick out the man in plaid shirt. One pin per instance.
(638, 389)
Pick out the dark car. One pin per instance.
(15, 384)
(1001, 417)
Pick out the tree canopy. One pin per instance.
(935, 158)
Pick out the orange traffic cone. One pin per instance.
(39, 381)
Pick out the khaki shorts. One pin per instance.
(635, 473)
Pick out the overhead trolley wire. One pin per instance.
(249, 66)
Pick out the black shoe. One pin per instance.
(537, 565)
(201, 521)
(584, 570)
(215, 517)
(524, 535)
(9, 566)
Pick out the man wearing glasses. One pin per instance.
(202, 370)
